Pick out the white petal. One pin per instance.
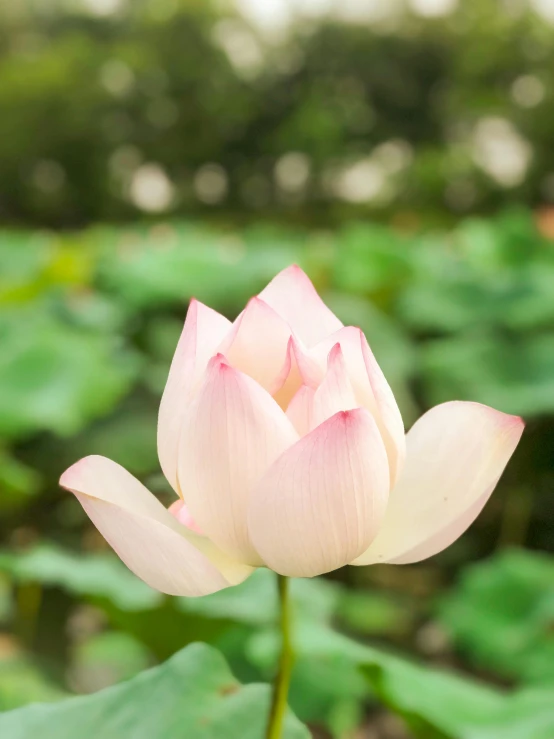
(203, 332)
(233, 433)
(162, 552)
(456, 454)
(298, 369)
(292, 295)
(300, 410)
(335, 392)
(323, 499)
(444, 537)
(371, 389)
(258, 344)
(180, 510)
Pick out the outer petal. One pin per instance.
(233, 433)
(323, 499)
(162, 552)
(446, 536)
(371, 389)
(292, 295)
(203, 332)
(335, 392)
(257, 344)
(456, 454)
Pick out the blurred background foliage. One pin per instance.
(401, 152)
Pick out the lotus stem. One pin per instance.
(286, 660)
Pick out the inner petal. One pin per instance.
(257, 344)
(182, 513)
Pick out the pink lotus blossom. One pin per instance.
(283, 440)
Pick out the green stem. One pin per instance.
(28, 599)
(282, 679)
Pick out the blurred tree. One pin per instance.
(185, 107)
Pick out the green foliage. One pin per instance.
(443, 706)
(479, 301)
(371, 614)
(528, 714)
(464, 313)
(126, 436)
(514, 373)
(434, 703)
(255, 601)
(469, 312)
(164, 266)
(241, 621)
(194, 692)
(17, 481)
(316, 695)
(21, 683)
(92, 575)
(107, 658)
(501, 613)
(55, 376)
(483, 297)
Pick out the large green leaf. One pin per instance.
(515, 375)
(371, 259)
(528, 714)
(433, 702)
(169, 266)
(438, 704)
(54, 376)
(24, 260)
(93, 575)
(193, 695)
(485, 273)
(501, 614)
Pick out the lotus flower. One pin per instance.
(283, 440)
